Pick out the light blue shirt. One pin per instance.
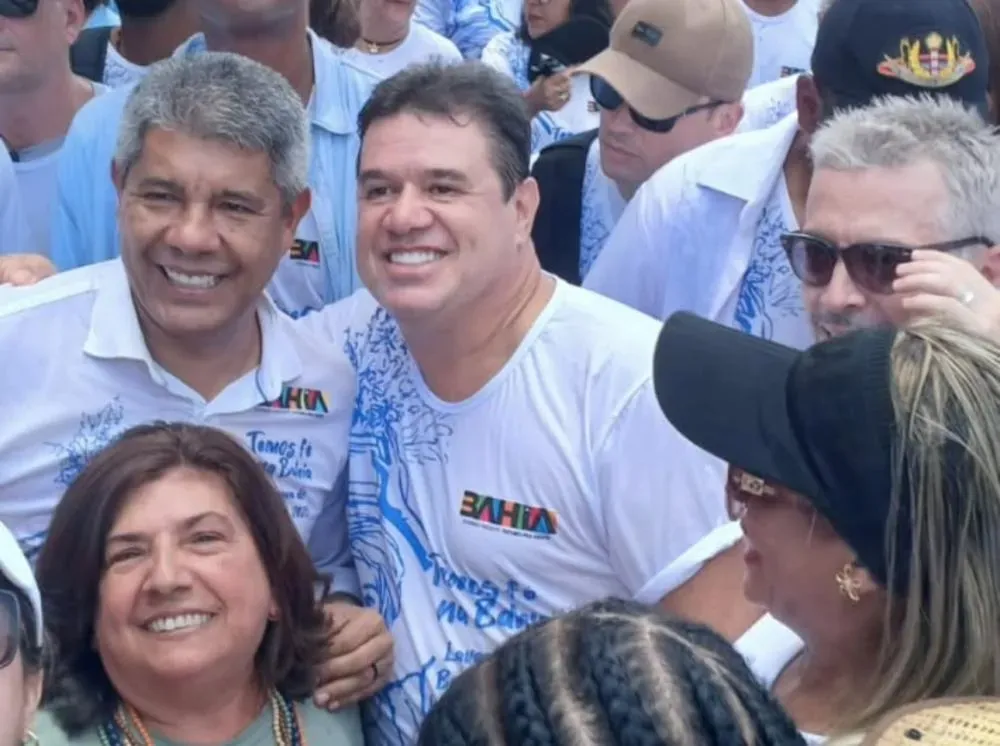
(470, 24)
(85, 229)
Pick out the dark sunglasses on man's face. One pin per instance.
(608, 98)
(18, 8)
(871, 266)
(10, 628)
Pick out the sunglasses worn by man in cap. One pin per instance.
(18, 8)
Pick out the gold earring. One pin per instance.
(849, 585)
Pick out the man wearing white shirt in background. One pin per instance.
(703, 234)
(39, 95)
(501, 413)
(900, 174)
(671, 80)
(391, 40)
(783, 35)
(211, 167)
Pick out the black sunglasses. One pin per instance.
(608, 98)
(871, 266)
(18, 8)
(10, 628)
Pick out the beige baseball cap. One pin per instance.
(973, 721)
(666, 56)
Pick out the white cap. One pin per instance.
(15, 568)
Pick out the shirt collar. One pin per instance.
(115, 333)
(757, 156)
(331, 107)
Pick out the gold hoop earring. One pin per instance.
(849, 586)
(30, 739)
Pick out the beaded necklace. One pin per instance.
(126, 727)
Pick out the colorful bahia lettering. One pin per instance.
(295, 399)
(509, 514)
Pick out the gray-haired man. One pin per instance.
(211, 168)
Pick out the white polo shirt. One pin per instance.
(783, 44)
(702, 235)
(557, 483)
(78, 373)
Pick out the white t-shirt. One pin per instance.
(78, 344)
(420, 45)
(783, 44)
(554, 485)
(508, 54)
(119, 72)
(13, 228)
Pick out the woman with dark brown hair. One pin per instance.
(181, 602)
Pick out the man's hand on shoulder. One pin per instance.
(25, 269)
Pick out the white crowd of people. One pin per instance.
(499, 373)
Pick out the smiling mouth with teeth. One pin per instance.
(193, 282)
(178, 623)
(414, 258)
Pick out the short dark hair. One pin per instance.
(71, 565)
(595, 10)
(452, 90)
(28, 647)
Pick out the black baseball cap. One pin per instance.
(870, 48)
(820, 422)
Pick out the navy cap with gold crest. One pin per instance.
(870, 48)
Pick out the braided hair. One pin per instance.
(613, 673)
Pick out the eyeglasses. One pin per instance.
(10, 628)
(18, 8)
(608, 98)
(871, 266)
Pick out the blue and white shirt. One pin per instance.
(702, 236)
(79, 346)
(471, 520)
(320, 269)
(510, 55)
(470, 24)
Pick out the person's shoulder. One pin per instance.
(341, 728)
(65, 294)
(98, 117)
(602, 333)
(439, 45)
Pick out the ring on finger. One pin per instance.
(966, 297)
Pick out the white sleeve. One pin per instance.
(434, 14)
(634, 266)
(685, 567)
(660, 494)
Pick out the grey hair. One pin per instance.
(895, 132)
(227, 98)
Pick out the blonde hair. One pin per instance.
(943, 635)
